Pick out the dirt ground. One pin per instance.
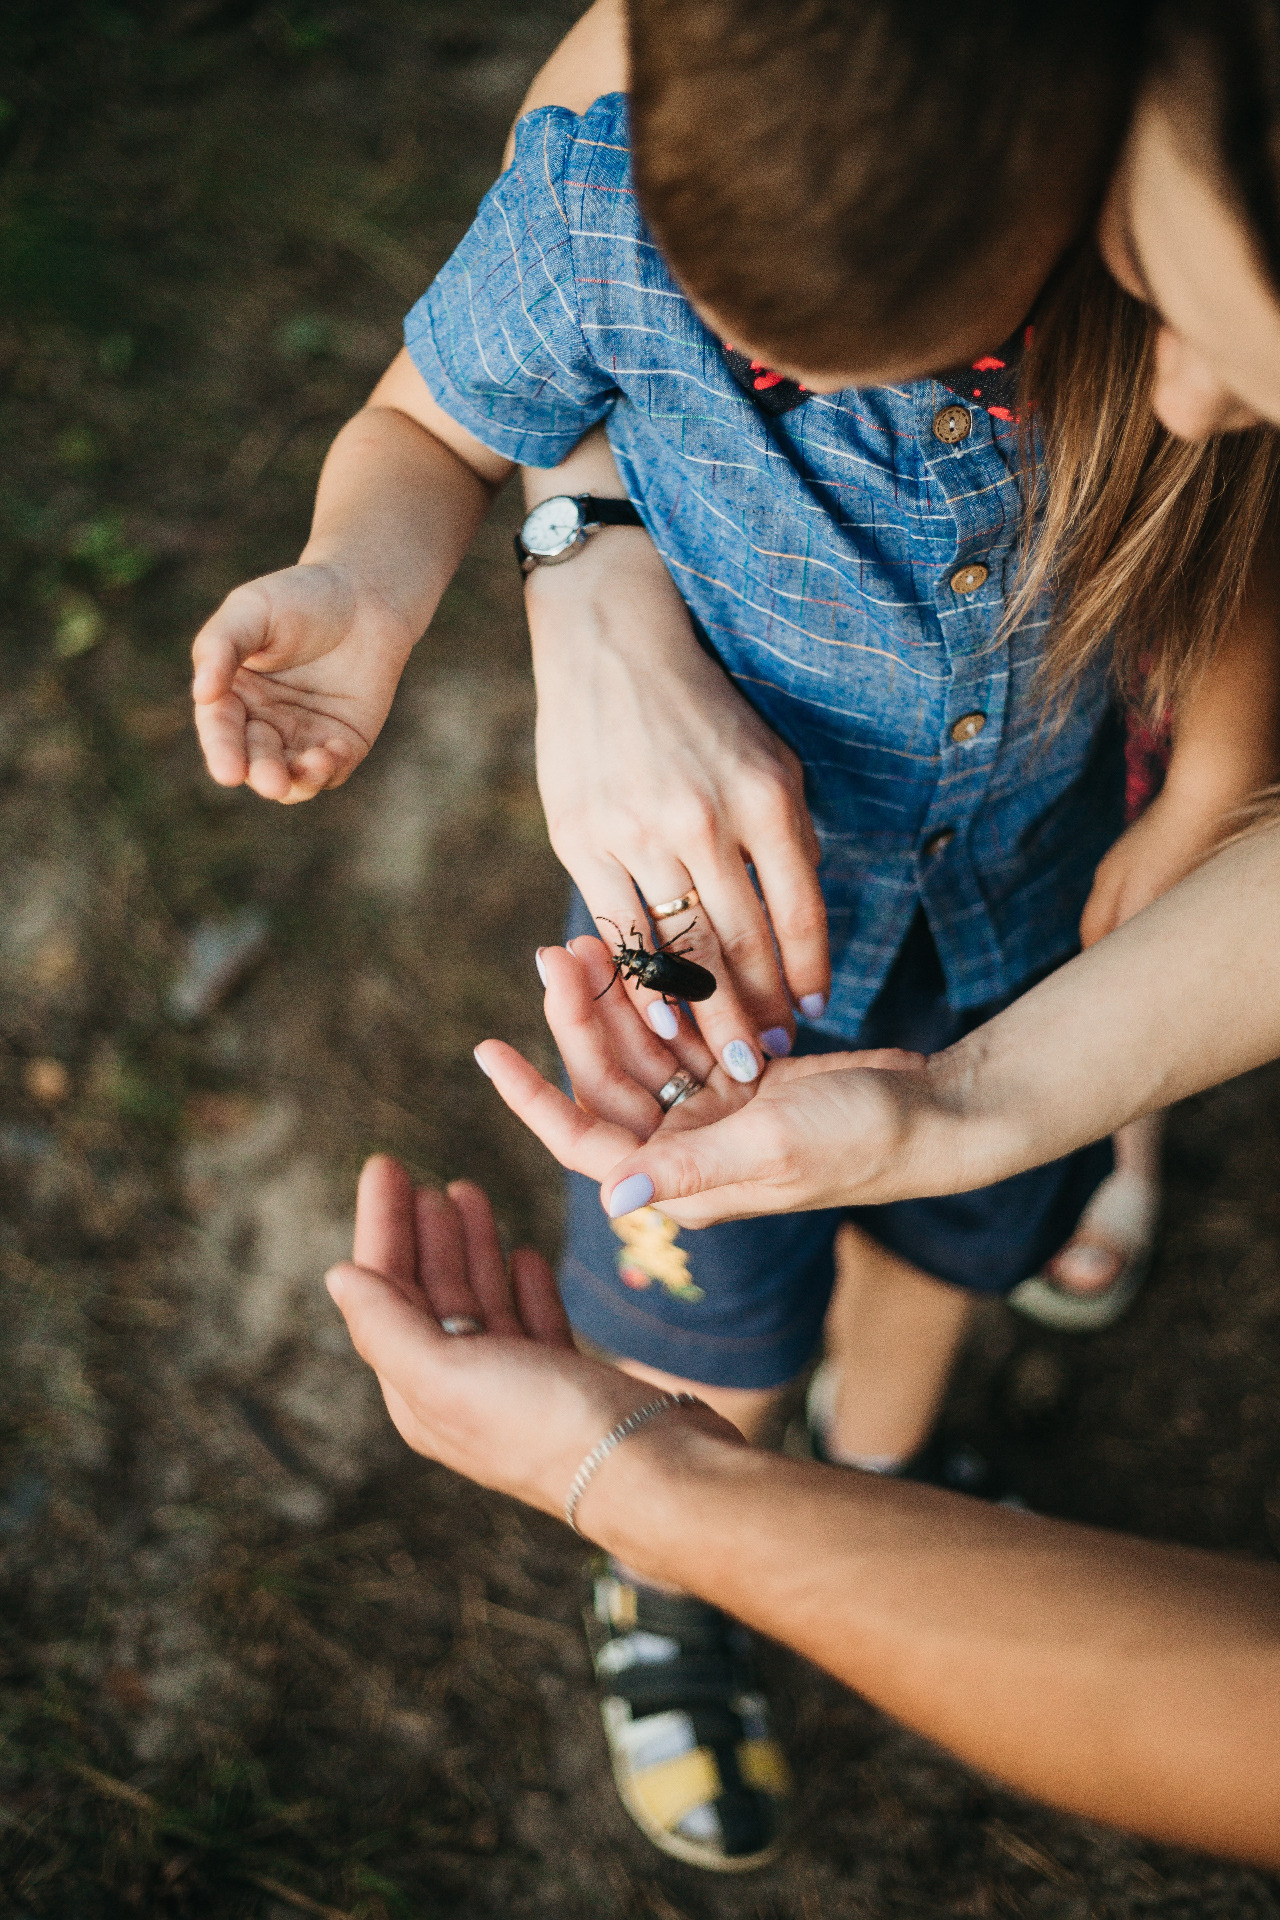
(255, 1660)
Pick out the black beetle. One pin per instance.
(662, 971)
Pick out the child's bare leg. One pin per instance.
(892, 1336)
(753, 1411)
(1093, 1258)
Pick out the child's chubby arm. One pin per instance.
(1226, 750)
(295, 672)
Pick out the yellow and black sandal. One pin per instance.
(695, 1762)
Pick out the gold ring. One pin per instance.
(669, 908)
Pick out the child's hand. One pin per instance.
(1161, 847)
(294, 676)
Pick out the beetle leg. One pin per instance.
(679, 934)
(612, 978)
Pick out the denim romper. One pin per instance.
(848, 562)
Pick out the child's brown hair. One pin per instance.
(884, 158)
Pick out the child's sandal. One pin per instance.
(693, 1757)
(1122, 1216)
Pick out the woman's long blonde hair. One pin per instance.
(1146, 542)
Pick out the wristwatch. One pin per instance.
(558, 527)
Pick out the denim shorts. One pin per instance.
(742, 1304)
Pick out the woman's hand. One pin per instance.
(819, 1131)
(514, 1406)
(658, 777)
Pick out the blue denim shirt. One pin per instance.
(815, 550)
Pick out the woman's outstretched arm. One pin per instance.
(1133, 1683)
(1184, 995)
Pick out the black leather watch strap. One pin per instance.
(608, 513)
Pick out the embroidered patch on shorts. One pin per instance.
(649, 1252)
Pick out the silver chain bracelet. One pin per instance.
(623, 1431)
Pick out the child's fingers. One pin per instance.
(324, 766)
(729, 1028)
(577, 1139)
(486, 1268)
(237, 631)
(268, 773)
(538, 1300)
(220, 729)
(313, 772)
(602, 1074)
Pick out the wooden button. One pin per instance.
(937, 841)
(967, 727)
(951, 424)
(969, 579)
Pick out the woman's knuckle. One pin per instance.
(773, 804)
(697, 818)
(565, 836)
(738, 944)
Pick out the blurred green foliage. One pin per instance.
(103, 549)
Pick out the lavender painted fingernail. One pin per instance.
(662, 1019)
(776, 1042)
(740, 1062)
(537, 961)
(813, 1005)
(475, 1055)
(635, 1191)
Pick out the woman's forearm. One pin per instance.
(1128, 1682)
(1185, 995)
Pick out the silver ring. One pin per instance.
(461, 1323)
(668, 909)
(681, 1086)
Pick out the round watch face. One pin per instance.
(552, 526)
